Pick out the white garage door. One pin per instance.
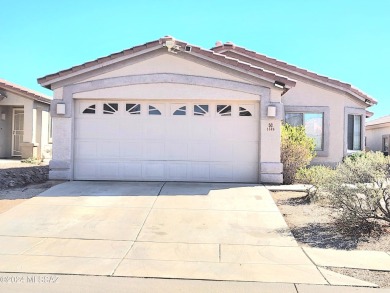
(146, 140)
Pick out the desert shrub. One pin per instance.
(297, 151)
(317, 177)
(360, 192)
(355, 156)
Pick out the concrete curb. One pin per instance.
(293, 187)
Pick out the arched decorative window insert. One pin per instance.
(201, 110)
(110, 108)
(224, 110)
(181, 111)
(244, 112)
(133, 109)
(90, 110)
(153, 110)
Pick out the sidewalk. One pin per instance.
(65, 283)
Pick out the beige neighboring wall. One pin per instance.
(35, 133)
(374, 136)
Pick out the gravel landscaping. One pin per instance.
(382, 279)
(14, 173)
(312, 225)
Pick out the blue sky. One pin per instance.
(348, 40)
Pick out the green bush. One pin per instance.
(297, 151)
(359, 190)
(317, 177)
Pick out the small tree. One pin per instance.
(297, 151)
(360, 192)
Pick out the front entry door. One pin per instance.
(17, 131)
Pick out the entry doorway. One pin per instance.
(17, 131)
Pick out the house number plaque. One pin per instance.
(270, 127)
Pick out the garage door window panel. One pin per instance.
(133, 109)
(246, 110)
(181, 110)
(90, 110)
(201, 110)
(153, 110)
(224, 110)
(110, 108)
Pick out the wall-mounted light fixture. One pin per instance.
(60, 110)
(271, 111)
(3, 116)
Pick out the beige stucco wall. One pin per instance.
(307, 93)
(313, 94)
(374, 136)
(166, 63)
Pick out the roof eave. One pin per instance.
(13, 88)
(288, 83)
(48, 80)
(369, 101)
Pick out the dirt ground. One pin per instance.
(20, 181)
(312, 225)
(11, 197)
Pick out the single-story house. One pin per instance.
(378, 134)
(172, 111)
(25, 123)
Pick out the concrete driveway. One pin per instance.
(164, 230)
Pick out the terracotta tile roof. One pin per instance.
(6, 85)
(223, 48)
(183, 47)
(381, 120)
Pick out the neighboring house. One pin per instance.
(25, 125)
(378, 134)
(169, 110)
